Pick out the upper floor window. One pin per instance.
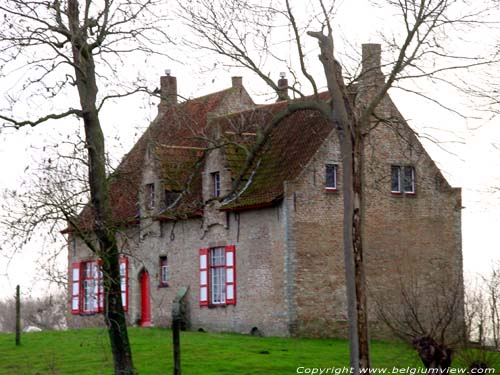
(163, 271)
(150, 196)
(215, 184)
(170, 197)
(331, 177)
(402, 179)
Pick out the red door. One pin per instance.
(145, 300)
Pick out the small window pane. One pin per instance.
(203, 261)
(230, 275)
(230, 292)
(395, 179)
(215, 184)
(229, 259)
(409, 180)
(203, 277)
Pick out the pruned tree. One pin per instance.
(433, 328)
(63, 45)
(247, 33)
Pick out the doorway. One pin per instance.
(145, 299)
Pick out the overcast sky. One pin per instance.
(467, 150)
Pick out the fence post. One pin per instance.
(18, 316)
(177, 319)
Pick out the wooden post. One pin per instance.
(176, 328)
(177, 318)
(18, 316)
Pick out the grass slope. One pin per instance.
(86, 352)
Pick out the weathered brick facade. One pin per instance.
(289, 261)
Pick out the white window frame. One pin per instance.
(401, 179)
(334, 167)
(217, 264)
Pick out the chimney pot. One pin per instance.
(282, 87)
(237, 81)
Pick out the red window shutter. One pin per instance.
(100, 287)
(203, 277)
(230, 275)
(75, 288)
(124, 282)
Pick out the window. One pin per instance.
(215, 184)
(395, 179)
(92, 287)
(218, 276)
(87, 292)
(331, 177)
(163, 271)
(402, 179)
(409, 180)
(150, 196)
(170, 197)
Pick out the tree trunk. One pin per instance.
(357, 240)
(104, 227)
(344, 120)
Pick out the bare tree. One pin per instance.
(433, 328)
(66, 44)
(244, 32)
(47, 313)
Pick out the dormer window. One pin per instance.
(215, 177)
(170, 197)
(150, 196)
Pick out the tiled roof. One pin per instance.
(290, 146)
(178, 126)
(177, 142)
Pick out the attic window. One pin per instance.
(170, 197)
(215, 177)
(402, 179)
(331, 177)
(150, 196)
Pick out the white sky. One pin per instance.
(466, 156)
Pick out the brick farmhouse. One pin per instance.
(268, 254)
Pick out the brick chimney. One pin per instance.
(282, 87)
(371, 72)
(237, 81)
(168, 90)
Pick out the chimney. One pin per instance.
(168, 90)
(282, 87)
(237, 81)
(371, 72)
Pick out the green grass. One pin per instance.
(86, 352)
